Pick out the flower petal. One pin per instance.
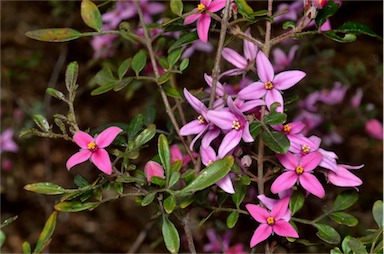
(287, 79)
(191, 18)
(253, 91)
(261, 233)
(102, 161)
(208, 155)
(106, 137)
(226, 185)
(193, 127)
(284, 182)
(82, 139)
(203, 27)
(234, 58)
(216, 5)
(258, 213)
(220, 91)
(288, 160)
(273, 96)
(221, 118)
(209, 136)
(312, 184)
(78, 158)
(196, 104)
(264, 68)
(310, 161)
(230, 141)
(283, 228)
(250, 49)
(268, 202)
(247, 137)
(280, 208)
(343, 178)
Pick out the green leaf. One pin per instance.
(9, 221)
(184, 64)
(186, 202)
(122, 84)
(45, 188)
(71, 74)
(327, 11)
(232, 219)
(103, 89)
(2, 238)
(118, 187)
(105, 76)
(254, 128)
(345, 200)
(171, 91)
(54, 34)
(356, 246)
(164, 78)
(91, 15)
(55, 93)
(274, 118)
(146, 135)
(169, 204)
(357, 29)
(240, 192)
(243, 8)
(170, 235)
(176, 166)
(81, 181)
(210, 175)
(123, 68)
(148, 198)
(75, 206)
(259, 13)
(344, 244)
(336, 250)
(149, 115)
(377, 212)
(158, 181)
(327, 233)
(46, 233)
(333, 36)
(176, 7)
(135, 126)
(164, 154)
(289, 24)
(174, 56)
(296, 202)
(139, 61)
(184, 40)
(344, 218)
(27, 248)
(276, 141)
(175, 176)
(42, 122)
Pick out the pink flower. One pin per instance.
(343, 178)
(271, 222)
(299, 169)
(199, 46)
(374, 128)
(356, 98)
(334, 96)
(6, 141)
(270, 85)
(203, 18)
(282, 60)
(176, 155)
(93, 149)
(218, 245)
(290, 11)
(152, 168)
(292, 131)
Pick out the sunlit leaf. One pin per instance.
(243, 8)
(296, 202)
(42, 122)
(46, 233)
(54, 34)
(55, 93)
(176, 7)
(45, 188)
(146, 135)
(148, 198)
(356, 246)
(91, 15)
(344, 218)
(169, 204)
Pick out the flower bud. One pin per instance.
(374, 128)
(246, 161)
(153, 169)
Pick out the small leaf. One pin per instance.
(46, 233)
(103, 89)
(344, 244)
(356, 28)
(135, 126)
(176, 7)
(239, 195)
(377, 212)
(254, 128)
(27, 248)
(176, 166)
(122, 84)
(346, 39)
(296, 202)
(75, 206)
(175, 176)
(164, 154)
(146, 135)
(164, 78)
(149, 115)
(356, 246)
(123, 68)
(54, 34)
(71, 74)
(336, 250)
(327, 233)
(169, 204)
(327, 11)
(2, 238)
(118, 187)
(243, 8)
(344, 218)
(184, 64)
(158, 181)
(91, 15)
(45, 188)
(276, 141)
(174, 56)
(289, 24)
(210, 175)
(139, 61)
(275, 118)
(42, 122)
(170, 235)
(148, 198)
(184, 40)
(345, 200)
(104, 76)
(232, 219)
(171, 91)
(9, 221)
(55, 93)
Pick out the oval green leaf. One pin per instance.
(91, 15)
(327, 233)
(146, 135)
(71, 74)
(46, 233)
(232, 219)
(175, 176)
(54, 34)
(176, 7)
(45, 188)
(377, 212)
(345, 200)
(139, 61)
(148, 198)
(164, 154)
(296, 202)
(169, 204)
(276, 141)
(344, 218)
(42, 122)
(123, 68)
(75, 206)
(170, 235)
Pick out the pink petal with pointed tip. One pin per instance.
(284, 182)
(280, 208)
(292, 52)
(268, 202)
(82, 139)
(226, 185)
(258, 213)
(287, 79)
(296, 127)
(203, 27)
(288, 160)
(208, 155)
(234, 58)
(343, 178)
(312, 184)
(250, 49)
(254, 91)
(316, 142)
(310, 161)
(216, 5)
(191, 18)
(264, 68)
(206, 2)
(279, 57)
(196, 104)
(283, 228)
(78, 158)
(219, 86)
(273, 96)
(230, 141)
(350, 167)
(106, 137)
(102, 161)
(222, 119)
(247, 137)
(261, 233)
(193, 127)
(209, 136)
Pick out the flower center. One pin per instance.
(299, 170)
(201, 7)
(287, 128)
(201, 119)
(91, 146)
(270, 221)
(305, 149)
(268, 85)
(236, 125)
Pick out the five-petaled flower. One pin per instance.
(271, 222)
(93, 149)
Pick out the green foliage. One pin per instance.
(232, 219)
(54, 34)
(345, 200)
(170, 235)
(176, 7)
(46, 233)
(327, 11)
(276, 141)
(296, 202)
(344, 218)
(377, 212)
(75, 206)
(169, 204)
(327, 233)
(45, 188)
(91, 15)
(139, 61)
(165, 155)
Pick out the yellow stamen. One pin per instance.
(305, 149)
(91, 146)
(299, 170)
(201, 7)
(236, 125)
(270, 221)
(201, 119)
(287, 128)
(268, 85)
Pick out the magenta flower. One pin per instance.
(299, 169)
(374, 128)
(270, 85)
(271, 222)
(343, 177)
(290, 11)
(152, 168)
(334, 96)
(6, 141)
(282, 60)
(93, 149)
(218, 245)
(269, 203)
(292, 131)
(233, 122)
(356, 98)
(203, 18)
